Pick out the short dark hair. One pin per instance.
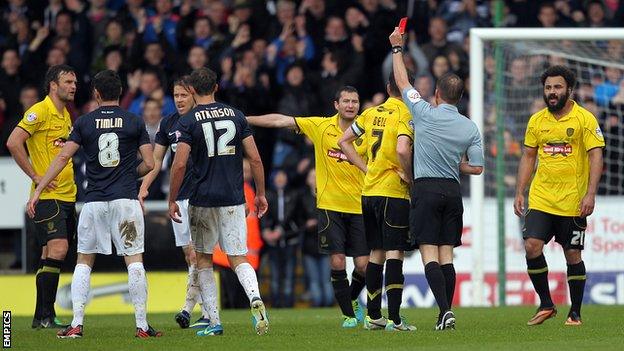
(54, 74)
(560, 70)
(108, 85)
(203, 80)
(345, 89)
(394, 88)
(451, 87)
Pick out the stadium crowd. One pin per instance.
(290, 57)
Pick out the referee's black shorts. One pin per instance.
(386, 220)
(341, 233)
(436, 212)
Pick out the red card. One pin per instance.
(402, 25)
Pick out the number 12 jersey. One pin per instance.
(215, 133)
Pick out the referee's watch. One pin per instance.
(397, 49)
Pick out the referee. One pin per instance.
(443, 140)
(44, 129)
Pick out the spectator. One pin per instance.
(289, 48)
(163, 21)
(316, 265)
(29, 95)
(438, 45)
(337, 70)
(463, 15)
(203, 35)
(10, 82)
(609, 88)
(145, 84)
(280, 231)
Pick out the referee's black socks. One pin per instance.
(374, 282)
(49, 280)
(394, 288)
(342, 291)
(538, 272)
(437, 284)
(358, 282)
(449, 279)
(576, 283)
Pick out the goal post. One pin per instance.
(479, 90)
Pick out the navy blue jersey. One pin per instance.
(110, 138)
(166, 136)
(215, 133)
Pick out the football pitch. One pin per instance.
(319, 329)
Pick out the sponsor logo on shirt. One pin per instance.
(337, 154)
(558, 148)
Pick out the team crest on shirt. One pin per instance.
(558, 148)
(31, 117)
(358, 141)
(413, 96)
(570, 131)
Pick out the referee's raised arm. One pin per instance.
(400, 72)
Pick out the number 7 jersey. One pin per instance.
(215, 133)
(381, 126)
(111, 138)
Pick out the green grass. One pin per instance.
(319, 329)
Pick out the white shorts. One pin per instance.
(225, 225)
(182, 231)
(119, 220)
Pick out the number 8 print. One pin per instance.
(109, 150)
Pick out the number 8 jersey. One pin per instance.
(215, 133)
(110, 138)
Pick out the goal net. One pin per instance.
(507, 91)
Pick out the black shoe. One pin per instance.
(50, 322)
(183, 319)
(447, 321)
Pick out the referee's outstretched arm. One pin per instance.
(400, 72)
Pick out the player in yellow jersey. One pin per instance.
(387, 130)
(44, 128)
(567, 142)
(339, 185)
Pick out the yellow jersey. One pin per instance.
(381, 126)
(338, 182)
(49, 130)
(562, 175)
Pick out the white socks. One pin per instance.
(80, 285)
(208, 288)
(192, 290)
(137, 286)
(249, 281)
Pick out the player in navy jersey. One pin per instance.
(110, 138)
(215, 136)
(166, 140)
